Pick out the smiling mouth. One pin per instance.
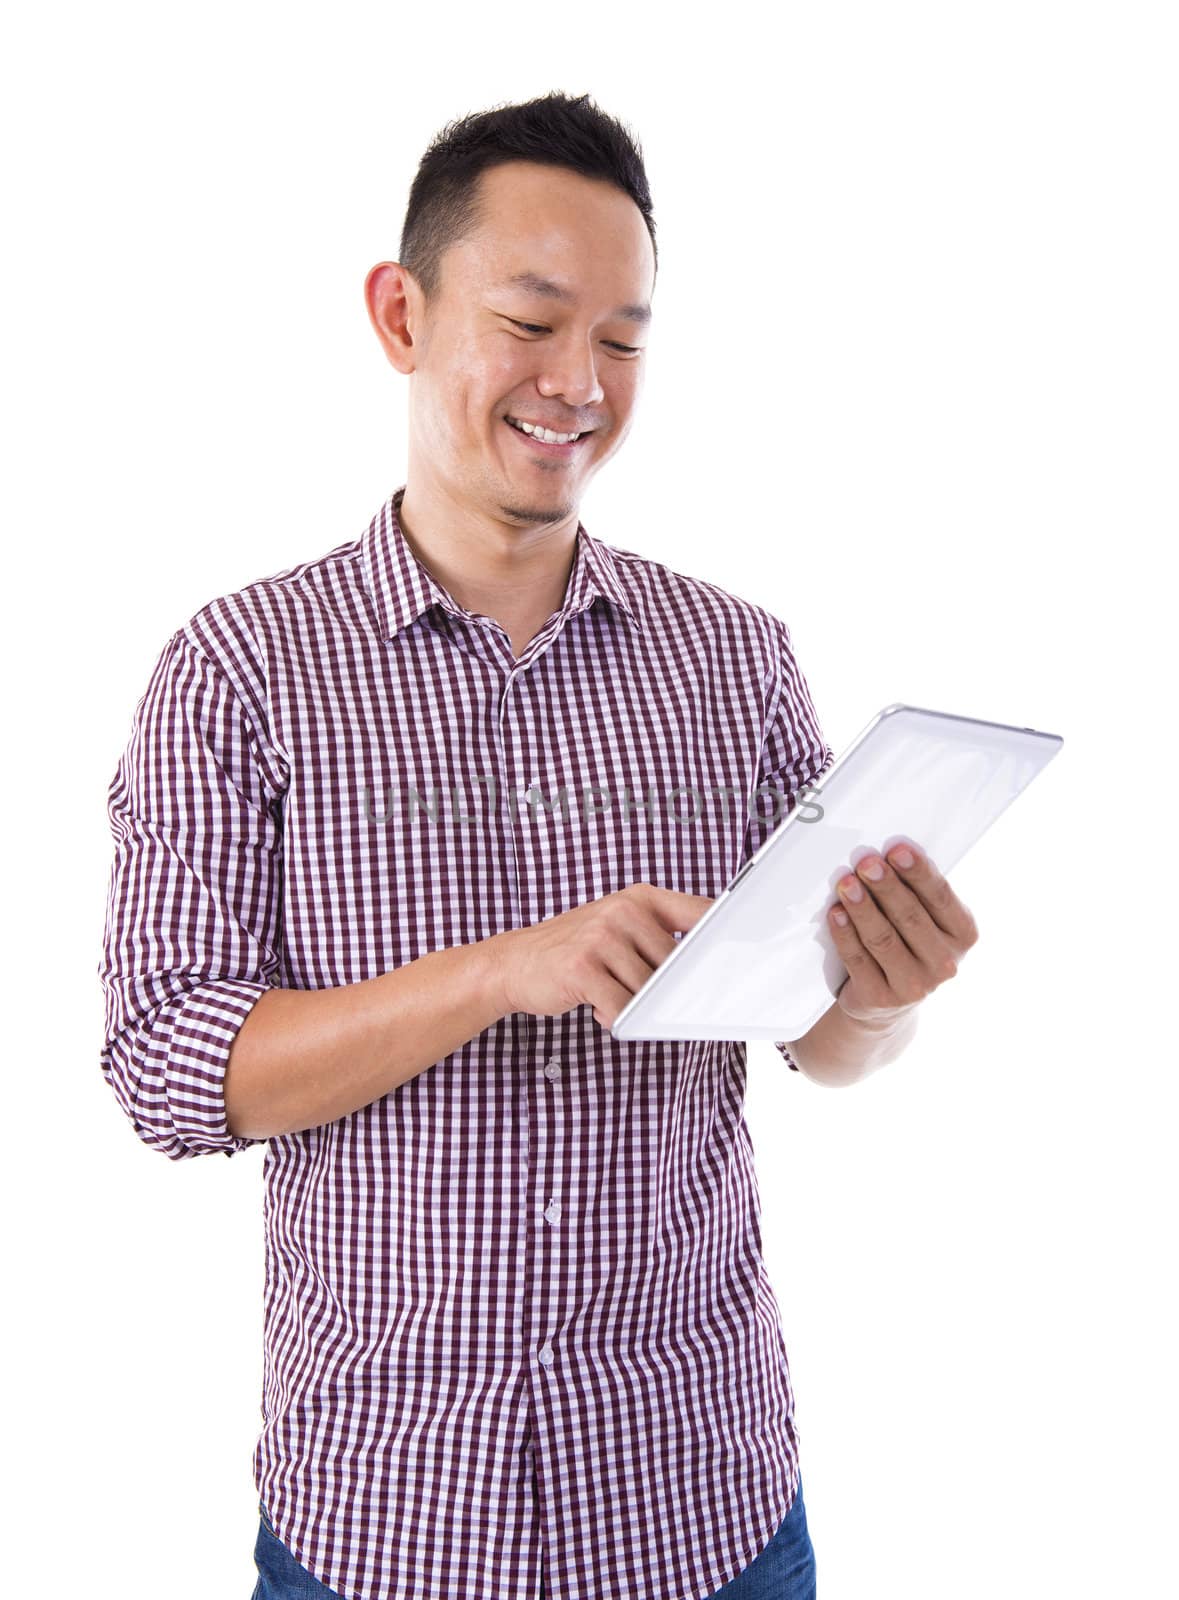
(543, 444)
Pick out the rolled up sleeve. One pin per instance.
(794, 754)
(192, 916)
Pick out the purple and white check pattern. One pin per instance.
(516, 1313)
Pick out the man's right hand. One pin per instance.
(599, 954)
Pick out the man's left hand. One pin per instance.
(903, 938)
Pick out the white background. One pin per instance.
(912, 385)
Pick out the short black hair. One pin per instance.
(554, 129)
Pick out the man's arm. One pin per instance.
(191, 947)
(795, 756)
(838, 1051)
(306, 1057)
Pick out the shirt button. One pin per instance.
(553, 1211)
(552, 1068)
(546, 1355)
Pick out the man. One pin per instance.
(399, 831)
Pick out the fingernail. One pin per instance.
(901, 857)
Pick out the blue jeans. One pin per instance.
(784, 1570)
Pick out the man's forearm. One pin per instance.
(837, 1050)
(306, 1057)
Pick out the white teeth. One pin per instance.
(546, 434)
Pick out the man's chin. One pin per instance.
(536, 516)
(536, 508)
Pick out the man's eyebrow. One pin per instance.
(533, 283)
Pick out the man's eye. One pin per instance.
(536, 327)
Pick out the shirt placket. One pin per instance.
(543, 1066)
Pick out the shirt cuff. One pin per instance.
(790, 1061)
(178, 1105)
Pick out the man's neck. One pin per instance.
(516, 575)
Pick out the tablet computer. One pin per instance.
(761, 962)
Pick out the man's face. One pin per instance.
(488, 348)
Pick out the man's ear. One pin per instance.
(392, 297)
